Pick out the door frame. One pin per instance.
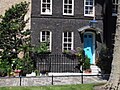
(93, 44)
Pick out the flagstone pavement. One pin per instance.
(48, 80)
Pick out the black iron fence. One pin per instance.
(57, 63)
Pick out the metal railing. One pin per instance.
(57, 63)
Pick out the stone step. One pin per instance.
(95, 69)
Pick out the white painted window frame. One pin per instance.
(89, 15)
(72, 8)
(50, 47)
(46, 13)
(115, 4)
(72, 41)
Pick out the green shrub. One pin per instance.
(41, 49)
(104, 60)
(86, 63)
(3, 72)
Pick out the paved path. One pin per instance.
(47, 80)
(98, 88)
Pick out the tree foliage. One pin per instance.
(42, 48)
(104, 60)
(15, 39)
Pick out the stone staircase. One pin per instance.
(95, 69)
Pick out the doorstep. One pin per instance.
(72, 74)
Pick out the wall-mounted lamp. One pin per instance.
(93, 23)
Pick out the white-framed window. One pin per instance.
(67, 41)
(68, 7)
(89, 8)
(114, 7)
(46, 37)
(46, 7)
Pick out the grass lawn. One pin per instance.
(62, 87)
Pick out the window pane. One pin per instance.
(69, 40)
(69, 45)
(65, 1)
(90, 36)
(91, 3)
(69, 34)
(65, 48)
(65, 6)
(86, 10)
(70, 1)
(87, 3)
(65, 11)
(44, 0)
(48, 38)
(69, 48)
(48, 33)
(65, 34)
(91, 10)
(70, 7)
(43, 10)
(65, 45)
(48, 1)
(117, 1)
(48, 5)
(70, 11)
(43, 5)
(43, 33)
(65, 39)
(85, 36)
(113, 1)
(43, 38)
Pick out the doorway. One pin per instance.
(89, 44)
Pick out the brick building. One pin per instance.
(68, 24)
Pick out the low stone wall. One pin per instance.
(47, 80)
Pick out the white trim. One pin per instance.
(62, 42)
(93, 45)
(70, 74)
(72, 8)
(93, 13)
(72, 41)
(47, 13)
(94, 48)
(50, 41)
(40, 36)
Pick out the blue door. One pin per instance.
(88, 46)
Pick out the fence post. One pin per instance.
(82, 74)
(20, 80)
(82, 78)
(52, 80)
